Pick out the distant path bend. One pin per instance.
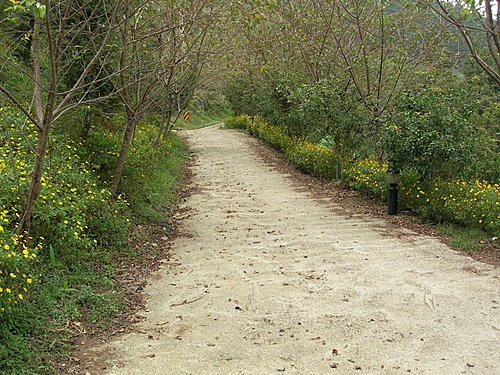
(268, 280)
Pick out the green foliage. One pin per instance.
(441, 127)
(78, 232)
(27, 6)
(486, 163)
(236, 122)
(148, 182)
(149, 190)
(199, 118)
(315, 111)
(324, 111)
(242, 96)
(434, 132)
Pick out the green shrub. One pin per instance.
(312, 111)
(236, 122)
(434, 132)
(368, 176)
(273, 135)
(472, 203)
(151, 175)
(314, 159)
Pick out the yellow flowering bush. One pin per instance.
(236, 122)
(314, 159)
(368, 176)
(469, 203)
(473, 203)
(71, 199)
(70, 212)
(274, 135)
(16, 260)
(72, 202)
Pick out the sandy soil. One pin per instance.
(268, 280)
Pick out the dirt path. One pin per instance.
(269, 280)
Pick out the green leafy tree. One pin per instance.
(434, 132)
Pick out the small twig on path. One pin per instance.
(186, 302)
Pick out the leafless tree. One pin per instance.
(482, 17)
(157, 48)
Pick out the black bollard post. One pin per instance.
(393, 199)
(393, 177)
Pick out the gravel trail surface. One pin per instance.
(267, 280)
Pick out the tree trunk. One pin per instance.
(127, 140)
(377, 128)
(43, 127)
(170, 125)
(36, 182)
(165, 123)
(338, 170)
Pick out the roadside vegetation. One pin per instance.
(87, 155)
(470, 203)
(204, 113)
(348, 90)
(64, 275)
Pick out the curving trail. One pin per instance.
(268, 280)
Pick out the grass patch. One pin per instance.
(149, 183)
(38, 333)
(465, 238)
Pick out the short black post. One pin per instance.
(393, 199)
(393, 177)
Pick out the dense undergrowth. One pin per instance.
(473, 203)
(64, 273)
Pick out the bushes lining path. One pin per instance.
(469, 203)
